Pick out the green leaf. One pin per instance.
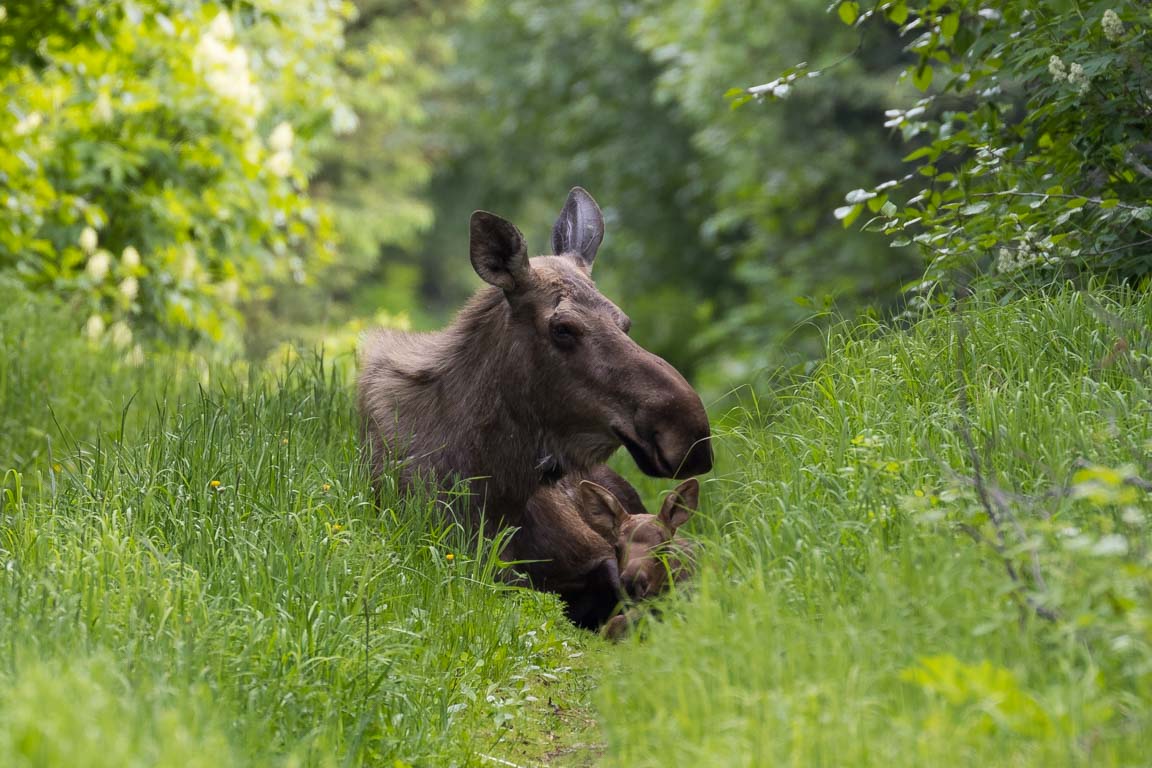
(848, 213)
(949, 24)
(929, 152)
(849, 12)
(898, 13)
(922, 76)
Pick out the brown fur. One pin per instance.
(649, 554)
(536, 378)
(566, 542)
(589, 539)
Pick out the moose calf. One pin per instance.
(590, 540)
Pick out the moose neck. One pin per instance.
(484, 382)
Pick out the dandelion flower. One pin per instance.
(214, 484)
(89, 240)
(130, 258)
(449, 557)
(129, 287)
(336, 527)
(1113, 27)
(94, 328)
(284, 441)
(326, 487)
(281, 138)
(98, 265)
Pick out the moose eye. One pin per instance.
(564, 334)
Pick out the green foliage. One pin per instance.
(717, 219)
(1031, 144)
(856, 607)
(157, 155)
(372, 173)
(774, 172)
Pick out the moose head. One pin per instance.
(536, 378)
(597, 387)
(646, 548)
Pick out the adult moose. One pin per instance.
(535, 378)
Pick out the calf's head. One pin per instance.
(646, 548)
(593, 387)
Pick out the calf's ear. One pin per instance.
(580, 228)
(498, 252)
(601, 510)
(679, 505)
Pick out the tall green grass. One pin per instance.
(193, 571)
(195, 574)
(855, 607)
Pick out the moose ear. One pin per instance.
(498, 252)
(601, 510)
(680, 504)
(580, 228)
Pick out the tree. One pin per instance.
(1031, 144)
(157, 154)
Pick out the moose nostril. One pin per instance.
(698, 461)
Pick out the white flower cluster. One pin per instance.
(1112, 26)
(280, 142)
(28, 124)
(1077, 78)
(1073, 74)
(1030, 252)
(94, 328)
(225, 69)
(104, 111)
(344, 120)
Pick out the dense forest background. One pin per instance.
(295, 170)
(254, 172)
